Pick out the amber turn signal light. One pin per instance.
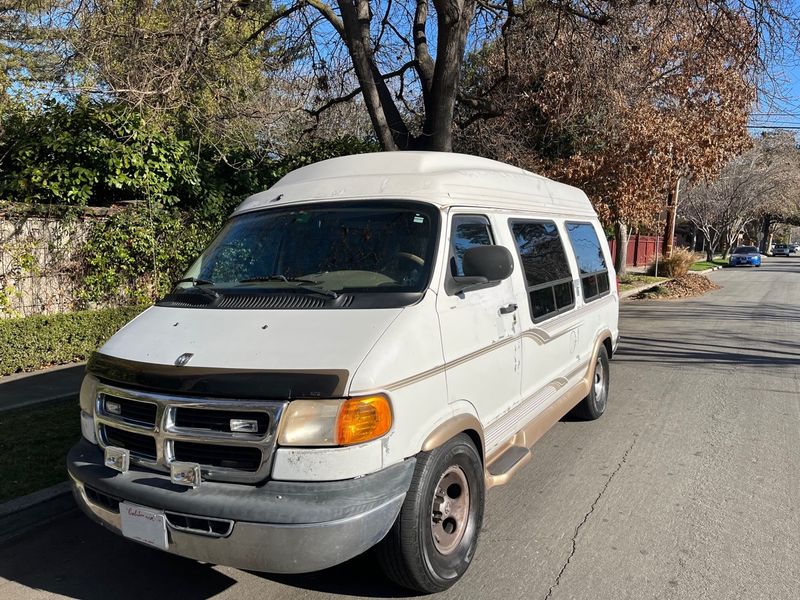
(363, 419)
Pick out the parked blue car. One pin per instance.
(745, 255)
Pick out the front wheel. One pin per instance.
(434, 538)
(594, 405)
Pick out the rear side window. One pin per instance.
(549, 280)
(590, 259)
(468, 231)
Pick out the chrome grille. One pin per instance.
(133, 411)
(190, 429)
(218, 420)
(141, 445)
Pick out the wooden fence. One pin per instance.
(642, 249)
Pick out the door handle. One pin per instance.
(508, 309)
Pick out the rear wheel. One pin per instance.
(594, 405)
(434, 538)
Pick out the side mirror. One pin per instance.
(483, 266)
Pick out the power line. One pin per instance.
(773, 126)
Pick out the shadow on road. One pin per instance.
(670, 351)
(101, 565)
(360, 576)
(701, 335)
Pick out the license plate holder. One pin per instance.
(143, 524)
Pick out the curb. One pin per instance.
(20, 515)
(707, 270)
(649, 286)
(640, 289)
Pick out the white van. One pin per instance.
(364, 350)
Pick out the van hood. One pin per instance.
(242, 353)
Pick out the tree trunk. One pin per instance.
(454, 19)
(669, 228)
(709, 248)
(621, 236)
(766, 237)
(386, 120)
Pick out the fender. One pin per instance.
(460, 423)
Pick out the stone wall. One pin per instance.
(40, 262)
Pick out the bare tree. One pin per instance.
(762, 182)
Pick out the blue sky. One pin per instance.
(781, 107)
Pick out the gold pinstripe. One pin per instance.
(538, 335)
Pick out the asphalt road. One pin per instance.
(688, 487)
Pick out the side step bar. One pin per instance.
(502, 468)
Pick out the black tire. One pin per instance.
(409, 555)
(594, 405)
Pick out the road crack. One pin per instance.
(622, 461)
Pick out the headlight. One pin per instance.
(88, 393)
(335, 422)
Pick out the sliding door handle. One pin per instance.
(508, 309)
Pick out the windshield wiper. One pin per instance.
(314, 290)
(197, 285)
(277, 278)
(194, 281)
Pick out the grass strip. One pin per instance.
(708, 264)
(634, 280)
(34, 445)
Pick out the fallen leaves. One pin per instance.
(685, 286)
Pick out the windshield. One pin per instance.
(746, 250)
(353, 247)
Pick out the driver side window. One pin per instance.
(468, 231)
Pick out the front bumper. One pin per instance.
(741, 262)
(278, 527)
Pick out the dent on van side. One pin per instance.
(360, 355)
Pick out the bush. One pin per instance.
(674, 266)
(92, 153)
(34, 342)
(136, 255)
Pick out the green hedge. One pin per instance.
(34, 342)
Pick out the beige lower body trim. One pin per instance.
(537, 427)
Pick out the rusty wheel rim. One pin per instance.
(450, 510)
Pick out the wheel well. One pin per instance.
(609, 348)
(476, 439)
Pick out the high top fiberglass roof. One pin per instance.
(441, 178)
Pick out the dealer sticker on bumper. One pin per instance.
(144, 525)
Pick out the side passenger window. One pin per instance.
(468, 231)
(590, 259)
(546, 268)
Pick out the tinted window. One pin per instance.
(746, 250)
(546, 268)
(541, 252)
(468, 231)
(590, 259)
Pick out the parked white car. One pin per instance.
(364, 350)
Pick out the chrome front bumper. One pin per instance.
(275, 547)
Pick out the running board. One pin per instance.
(504, 466)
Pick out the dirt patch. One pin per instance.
(685, 286)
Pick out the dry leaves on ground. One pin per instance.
(686, 286)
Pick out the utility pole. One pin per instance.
(672, 211)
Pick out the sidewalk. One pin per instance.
(47, 385)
